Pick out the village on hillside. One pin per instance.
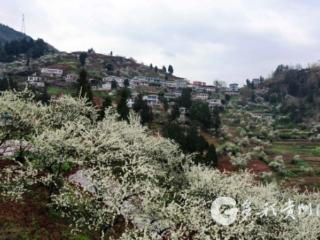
(59, 73)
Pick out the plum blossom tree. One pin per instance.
(125, 172)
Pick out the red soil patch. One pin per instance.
(255, 166)
(30, 218)
(224, 165)
(98, 101)
(303, 184)
(258, 166)
(5, 163)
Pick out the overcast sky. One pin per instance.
(204, 40)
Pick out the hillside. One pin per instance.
(97, 65)
(112, 180)
(294, 90)
(301, 83)
(8, 34)
(15, 46)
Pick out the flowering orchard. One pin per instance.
(126, 172)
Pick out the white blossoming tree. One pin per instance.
(125, 172)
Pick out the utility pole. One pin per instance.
(23, 25)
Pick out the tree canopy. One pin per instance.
(126, 172)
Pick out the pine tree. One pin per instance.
(141, 106)
(216, 120)
(170, 69)
(84, 87)
(107, 102)
(211, 157)
(185, 99)
(122, 108)
(114, 84)
(164, 69)
(82, 58)
(126, 83)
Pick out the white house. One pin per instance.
(139, 81)
(170, 84)
(177, 94)
(110, 79)
(257, 82)
(234, 87)
(35, 80)
(200, 96)
(170, 96)
(181, 83)
(152, 99)
(154, 81)
(214, 103)
(106, 83)
(198, 83)
(104, 86)
(130, 103)
(51, 72)
(203, 87)
(71, 78)
(209, 88)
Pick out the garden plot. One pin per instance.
(303, 172)
(305, 149)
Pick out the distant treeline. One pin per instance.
(295, 91)
(32, 48)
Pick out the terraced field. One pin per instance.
(304, 174)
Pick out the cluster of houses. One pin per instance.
(106, 82)
(49, 74)
(257, 81)
(172, 88)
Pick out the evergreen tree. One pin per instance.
(164, 69)
(170, 69)
(82, 58)
(185, 99)
(216, 120)
(39, 49)
(200, 113)
(122, 108)
(126, 83)
(146, 114)
(211, 157)
(138, 103)
(114, 84)
(175, 113)
(84, 87)
(110, 68)
(191, 142)
(34, 49)
(227, 98)
(45, 98)
(141, 106)
(6, 83)
(107, 102)
(163, 100)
